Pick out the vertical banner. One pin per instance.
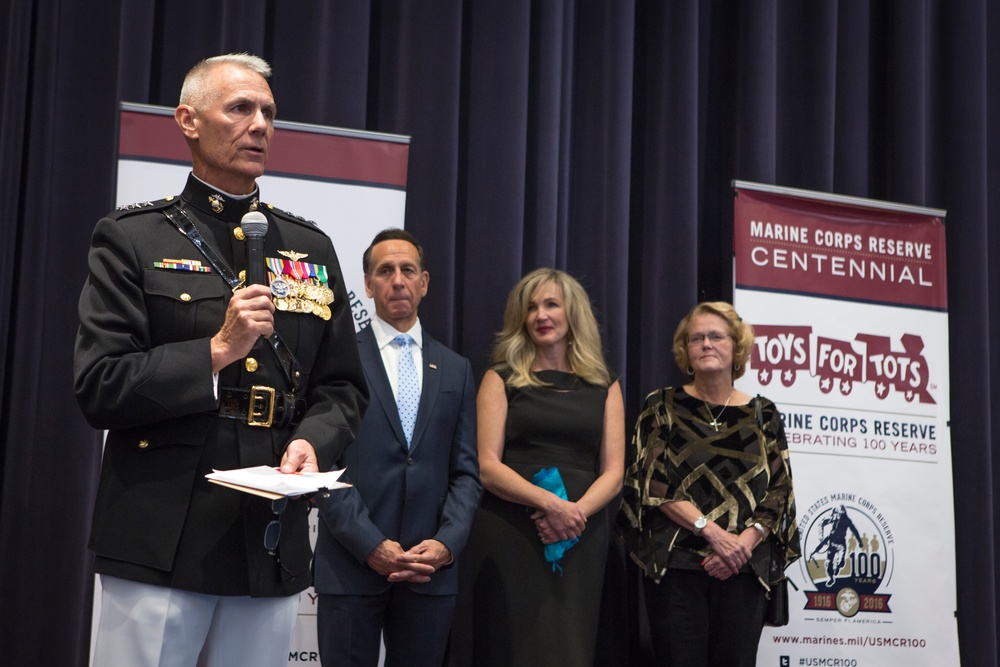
(352, 184)
(848, 300)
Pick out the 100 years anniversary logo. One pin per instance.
(847, 554)
(847, 541)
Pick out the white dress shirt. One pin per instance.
(384, 335)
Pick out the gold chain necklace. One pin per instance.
(715, 420)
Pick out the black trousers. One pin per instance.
(415, 628)
(698, 621)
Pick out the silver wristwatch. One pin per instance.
(700, 523)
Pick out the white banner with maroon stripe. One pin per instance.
(848, 299)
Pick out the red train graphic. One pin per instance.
(784, 351)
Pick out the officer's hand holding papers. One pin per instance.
(272, 483)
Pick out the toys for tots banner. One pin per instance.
(848, 299)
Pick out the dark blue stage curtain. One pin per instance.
(599, 137)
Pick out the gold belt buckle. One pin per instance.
(261, 410)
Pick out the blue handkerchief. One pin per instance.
(550, 480)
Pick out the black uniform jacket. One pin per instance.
(143, 372)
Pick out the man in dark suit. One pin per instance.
(387, 547)
(187, 375)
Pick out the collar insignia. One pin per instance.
(216, 202)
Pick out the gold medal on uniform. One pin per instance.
(299, 287)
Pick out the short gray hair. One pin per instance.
(194, 91)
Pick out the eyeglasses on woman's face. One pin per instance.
(713, 337)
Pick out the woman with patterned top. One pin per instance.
(709, 500)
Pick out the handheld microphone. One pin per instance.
(254, 226)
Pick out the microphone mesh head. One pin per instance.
(254, 224)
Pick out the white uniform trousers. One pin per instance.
(142, 625)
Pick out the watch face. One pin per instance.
(700, 523)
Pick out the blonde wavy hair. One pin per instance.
(515, 349)
(739, 331)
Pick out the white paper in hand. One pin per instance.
(272, 483)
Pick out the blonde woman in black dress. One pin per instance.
(547, 401)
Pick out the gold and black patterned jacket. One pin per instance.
(737, 476)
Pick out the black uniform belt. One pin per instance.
(261, 406)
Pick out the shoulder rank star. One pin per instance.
(130, 207)
(292, 255)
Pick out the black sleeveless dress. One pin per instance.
(524, 612)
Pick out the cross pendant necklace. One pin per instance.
(715, 424)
